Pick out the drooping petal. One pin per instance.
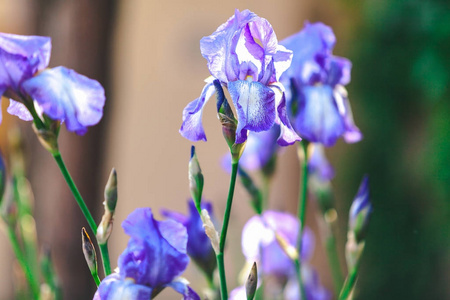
(288, 136)
(192, 127)
(68, 96)
(352, 133)
(18, 109)
(156, 252)
(181, 285)
(114, 288)
(318, 119)
(21, 57)
(255, 107)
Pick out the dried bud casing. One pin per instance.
(210, 230)
(252, 282)
(196, 180)
(89, 251)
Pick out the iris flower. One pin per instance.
(318, 104)
(243, 54)
(153, 260)
(60, 93)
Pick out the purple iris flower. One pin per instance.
(198, 245)
(259, 244)
(244, 55)
(60, 93)
(153, 260)
(319, 108)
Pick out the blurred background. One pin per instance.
(146, 54)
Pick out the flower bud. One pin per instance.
(89, 251)
(252, 282)
(195, 180)
(287, 248)
(105, 227)
(360, 211)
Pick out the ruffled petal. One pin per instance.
(192, 127)
(282, 60)
(114, 288)
(181, 285)
(219, 49)
(339, 70)
(156, 252)
(18, 109)
(255, 107)
(21, 57)
(68, 96)
(319, 120)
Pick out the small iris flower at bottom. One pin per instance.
(153, 260)
(260, 244)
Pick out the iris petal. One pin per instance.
(68, 96)
(255, 107)
(192, 127)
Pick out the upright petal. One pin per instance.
(68, 96)
(255, 107)
(21, 57)
(192, 127)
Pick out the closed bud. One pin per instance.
(196, 180)
(252, 282)
(210, 230)
(111, 192)
(89, 251)
(360, 211)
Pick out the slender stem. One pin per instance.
(333, 259)
(223, 234)
(75, 192)
(299, 278)
(222, 277)
(302, 201)
(349, 283)
(34, 285)
(105, 258)
(96, 278)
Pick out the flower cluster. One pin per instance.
(59, 93)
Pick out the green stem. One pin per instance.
(333, 259)
(34, 285)
(75, 192)
(96, 278)
(222, 277)
(299, 278)
(349, 283)
(301, 214)
(223, 234)
(105, 258)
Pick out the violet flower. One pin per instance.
(259, 244)
(198, 245)
(60, 93)
(153, 260)
(319, 108)
(244, 55)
